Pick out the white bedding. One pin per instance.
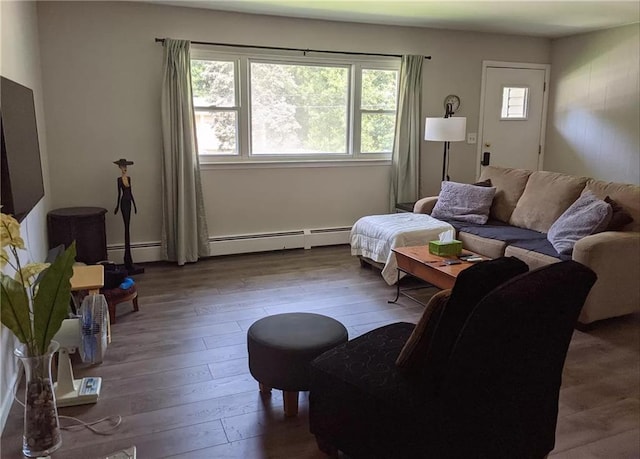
(374, 237)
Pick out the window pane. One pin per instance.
(377, 132)
(298, 109)
(379, 89)
(514, 102)
(213, 83)
(216, 133)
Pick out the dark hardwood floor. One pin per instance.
(177, 372)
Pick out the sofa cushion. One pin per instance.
(628, 196)
(533, 259)
(486, 182)
(619, 217)
(546, 196)
(492, 239)
(463, 202)
(502, 232)
(371, 366)
(418, 342)
(541, 246)
(492, 248)
(510, 184)
(588, 215)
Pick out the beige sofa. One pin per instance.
(533, 201)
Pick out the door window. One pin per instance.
(515, 103)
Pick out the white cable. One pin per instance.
(115, 421)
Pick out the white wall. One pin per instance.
(20, 62)
(594, 110)
(102, 75)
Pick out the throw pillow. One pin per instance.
(619, 217)
(416, 346)
(587, 215)
(464, 202)
(483, 183)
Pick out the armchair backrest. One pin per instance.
(471, 286)
(501, 383)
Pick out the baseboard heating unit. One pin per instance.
(244, 243)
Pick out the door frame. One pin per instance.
(545, 100)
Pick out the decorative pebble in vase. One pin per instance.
(41, 435)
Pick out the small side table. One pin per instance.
(85, 225)
(115, 296)
(90, 278)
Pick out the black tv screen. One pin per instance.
(22, 185)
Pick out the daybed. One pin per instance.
(526, 205)
(373, 238)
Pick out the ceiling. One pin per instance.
(522, 17)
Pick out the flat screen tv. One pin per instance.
(22, 185)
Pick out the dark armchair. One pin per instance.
(483, 380)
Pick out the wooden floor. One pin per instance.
(177, 373)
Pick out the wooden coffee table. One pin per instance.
(418, 262)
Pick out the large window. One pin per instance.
(287, 108)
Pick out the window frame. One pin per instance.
(242, 79)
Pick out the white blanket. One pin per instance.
(374, 237)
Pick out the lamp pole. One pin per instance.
(445, 166)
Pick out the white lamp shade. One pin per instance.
(445, 129)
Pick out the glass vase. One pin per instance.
(41, 435)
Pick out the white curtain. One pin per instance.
(184, 224)
(406, 147)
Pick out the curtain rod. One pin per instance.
(161, 40)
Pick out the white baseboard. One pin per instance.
(243, 243)
(140, 252)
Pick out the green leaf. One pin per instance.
(51, 303)
(14, 308)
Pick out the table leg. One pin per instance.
(290, 403)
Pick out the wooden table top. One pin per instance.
(422, 255)
(87, 277)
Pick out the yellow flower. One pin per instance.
(10, 232)
(29, 272)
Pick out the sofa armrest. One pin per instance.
(615, 258)
(624, 247)
(425, 205)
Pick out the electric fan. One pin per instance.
(86, 333)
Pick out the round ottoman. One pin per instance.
(282, 346)
(115, 296)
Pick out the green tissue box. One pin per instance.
(445, 249)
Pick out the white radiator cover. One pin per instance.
(243, 243)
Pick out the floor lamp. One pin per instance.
(447, 129)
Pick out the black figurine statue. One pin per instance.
(125, 199)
